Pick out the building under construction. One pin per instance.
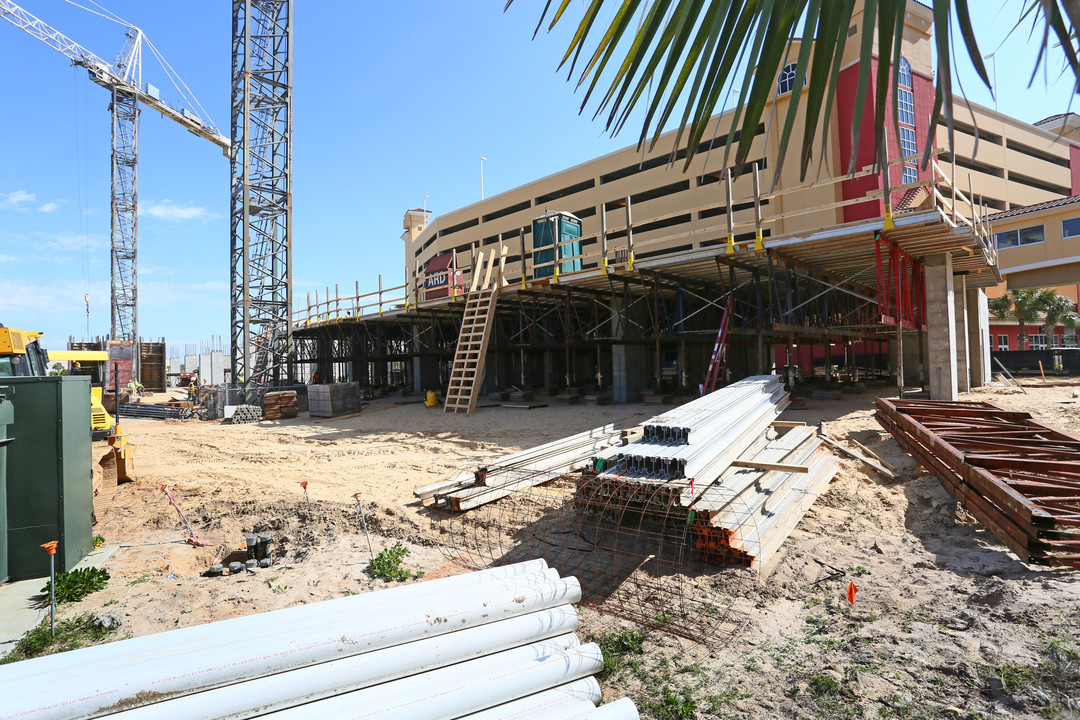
(624, 275)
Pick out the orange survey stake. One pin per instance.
(50, 547)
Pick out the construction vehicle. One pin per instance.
(22, 356)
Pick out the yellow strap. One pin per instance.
(630, 261)
(888, 224)
(730, 243)
(758, 240)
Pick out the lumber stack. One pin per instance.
(511, 651)
(1019, 477)
(279, 405)
(335, 399)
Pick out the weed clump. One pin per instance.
(70, 635)
(387, 565)
(75, 585)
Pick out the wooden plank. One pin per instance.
(878, 467)
(779, 467)
(872, 454)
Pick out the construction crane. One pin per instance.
(123, 79)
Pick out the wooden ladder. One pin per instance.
(468, 370)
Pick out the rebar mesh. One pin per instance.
(637, 554)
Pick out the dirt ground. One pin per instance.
(946, 622)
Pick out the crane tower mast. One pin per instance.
(261, 215)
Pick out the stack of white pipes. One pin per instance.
(498, 643)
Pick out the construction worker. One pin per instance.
(191, 389)
(316, 378)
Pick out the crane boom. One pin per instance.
(107, 75)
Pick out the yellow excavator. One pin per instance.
(22, 356)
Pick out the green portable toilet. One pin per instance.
(7, 417)
(49, 482)
(556, 234)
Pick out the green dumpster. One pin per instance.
(49, 483)
(7, 417)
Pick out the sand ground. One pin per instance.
(947, 623)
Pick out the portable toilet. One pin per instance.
(557, 233)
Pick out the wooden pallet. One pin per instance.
(468, 370)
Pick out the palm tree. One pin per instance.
(695, 50)
(1021, 305)
(1057, 310)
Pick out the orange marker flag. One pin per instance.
(851, 590)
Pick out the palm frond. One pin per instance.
(695, 51)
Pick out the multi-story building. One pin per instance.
(886, 270)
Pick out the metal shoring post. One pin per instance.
(758, 236)
(521, 245)
(603, 239)
(729, 211)
(629, 238)
(895, 269)
(760, 323)
(380, 294)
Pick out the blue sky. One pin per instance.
(393, 101)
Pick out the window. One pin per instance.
(907, 142)
(785, 81)
(1070, 228)
(1070, 340)
(905, 73)
(905, 106)
(1037, 342)
(1023, 236)
(911, 175)
(1003, 342)
(1055, 341)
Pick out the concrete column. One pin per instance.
(978, 312)
(963, 375)
(628, 371)
(941, 327)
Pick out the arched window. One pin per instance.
(905, 73)
(785, 81)
(905, 98)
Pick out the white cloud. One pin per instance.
(69, 242)
(170, 211)
(49, 207)
(15, 200)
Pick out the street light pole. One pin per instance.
(482, 159)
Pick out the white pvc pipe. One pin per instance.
(304, 685)
(283, 626)
(564, 700)
(561, 711)
(460, 689)
(622, 709)
(174, 663)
